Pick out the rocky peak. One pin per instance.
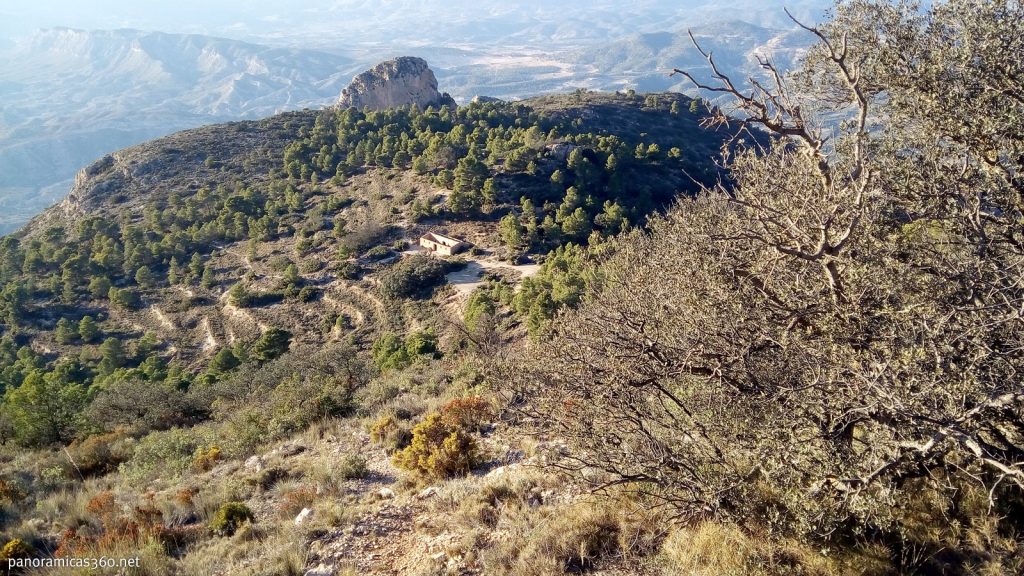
(398, 82)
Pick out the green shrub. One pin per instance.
(391, 352)
(413, 277)
(352, 467)
(229, 517)
(169, 453)
(377, 253)
(439, 450)
(15, 549)
(298, 401)
(273, 343)
(308, 294)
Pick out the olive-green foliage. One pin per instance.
(271, 344)
(391, 352)
(229, 517)
(413, 277)
(87, 329)
(478, 150)
(44, 408)
(351, 467)
(65, 332)
(561, 282)
(167, 454)
(141, 405)
(481, 304)
(287, 394)
(124, 298)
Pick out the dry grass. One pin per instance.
(719, 549)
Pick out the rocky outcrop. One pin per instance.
(399, 82)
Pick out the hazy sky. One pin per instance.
(329, 21)
(24, 16)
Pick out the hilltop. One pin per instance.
(246, 200)
(212, 294)
(256, 348)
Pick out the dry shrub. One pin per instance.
(471, 412)
(11, 492)
(184, 496)
(442, 445)
(720, 549)
(391, 433)
(205, 460)
(573, 540)
(352, 467)
(101, 453)
(111, 531)
(295, 500)
(15, 549)
(711, 549)
(439, 450)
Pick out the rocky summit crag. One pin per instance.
(398, 82)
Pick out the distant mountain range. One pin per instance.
(69, 96)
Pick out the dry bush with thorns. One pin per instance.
(844, 321)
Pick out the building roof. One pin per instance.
(442, 239)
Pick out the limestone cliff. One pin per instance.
(398, 82)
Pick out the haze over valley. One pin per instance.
(76, 84)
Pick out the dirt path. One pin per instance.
(210, 343)
(242, 315)
(358, 316)
(162, 318)
(468, 278)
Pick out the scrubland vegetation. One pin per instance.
(805, 360)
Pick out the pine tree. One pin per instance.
(273, 343)
(65, 332)
(208, 280)
(195, 267)
(144, 277)
(99, 287)
(87, 329)
(112, 356)
(174, 271)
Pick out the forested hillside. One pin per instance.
(682, 339)
(207, 294)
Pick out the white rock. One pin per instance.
(303, 516)
(428, 493)
(398, 82)
(255, 464)
(386, 493)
